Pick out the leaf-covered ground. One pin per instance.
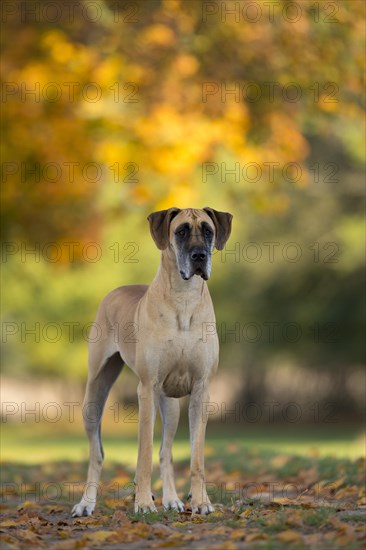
(262, 499)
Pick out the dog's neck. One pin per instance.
(183, 298)
(168, 274)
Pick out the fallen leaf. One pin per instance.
(29, 536)
(226, 545)
(70, 544)
(340, 526)
(290, 536)
(279, 461)
(283, 501)
(221, 530)
(313, 540)
(294, 518)
(237, 534)
(120, 518)
(12, 542)
(256, 536)
(179, 524)
(26, 505)
(350, 491)
(9, 523)
(99, 536)
(114, 503)
(338, 483)
(161, 531)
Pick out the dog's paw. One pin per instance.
(173, 504)
(144, 506)
(83, 509)
(203, 508)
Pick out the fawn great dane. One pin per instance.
(170, 355)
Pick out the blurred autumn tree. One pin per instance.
(139, 94)
(113, 109)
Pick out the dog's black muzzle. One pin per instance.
(198, 263)
(198, 255)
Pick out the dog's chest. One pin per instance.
(178, 348)
(184, 359)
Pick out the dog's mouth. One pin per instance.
(199, 272)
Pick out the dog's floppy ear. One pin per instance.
(222, 222)
(159, 226)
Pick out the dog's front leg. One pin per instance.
(147, 408)
(197, 426)
(169, 408)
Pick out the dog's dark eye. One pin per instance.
(208, 232)
(181, 233)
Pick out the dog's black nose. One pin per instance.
(198, 254)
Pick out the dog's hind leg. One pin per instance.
(169, 410)
(98, 386)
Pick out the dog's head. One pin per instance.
(192, 235)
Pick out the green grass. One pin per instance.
(36, 443)
(44, 471)
(315, 518)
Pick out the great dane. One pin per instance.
(170, 355)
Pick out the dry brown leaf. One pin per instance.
(114, 503)
(133, 532)
(340, 526)
(290, 536)
(237, 534)
(29, 536)
(196, 518)
(64, 534)
(26, 505)
(226, 545)
(120, 517)
(12, 542)
(283, 501)
(179, 524)
(221, 530)
(87, 521)
(9, 523)
(161, 531)
(335, 484)
(313, 540)
(345, 539)
(53, 509)
(294, 518)
(70, 544)
(351, 491)
(279, 461)
(308, 502)
(256, 536)
(100, 536)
